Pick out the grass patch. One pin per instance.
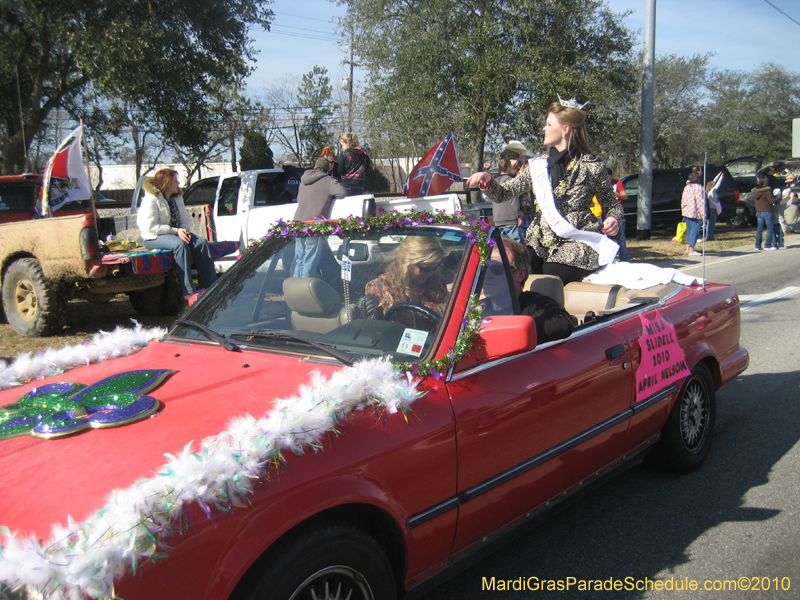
(660, 247)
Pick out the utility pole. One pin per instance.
(644, 201)
(348, 82)
(350, 88)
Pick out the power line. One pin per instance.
(303, 35)
(780, 11)
(302, 17)
(304, 29)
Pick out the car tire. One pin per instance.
(330, 562)
(33, 305)
(163, 300)
(739, 220)
(686, 436)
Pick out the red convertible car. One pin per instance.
(337, 418)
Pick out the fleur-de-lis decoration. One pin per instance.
(59, 409)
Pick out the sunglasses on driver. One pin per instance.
(427, 268)
(496, 268)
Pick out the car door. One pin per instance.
(532, 426)
(227, 213)
(272, 200)
(667, 193)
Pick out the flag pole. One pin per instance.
(88, 174)
(27, 167)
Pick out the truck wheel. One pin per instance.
(739, 219)
(163, 300)
(33, 305)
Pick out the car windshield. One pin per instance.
(335, 296)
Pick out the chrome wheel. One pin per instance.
(334, 583)
(689, 429)
(694, 414)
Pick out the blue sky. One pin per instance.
(741, 33)
(303, 34)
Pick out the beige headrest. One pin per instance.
(309, 296)
(547, 285)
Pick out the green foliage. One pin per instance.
(375, 181)
(255, 153)
(696, 110)
(678, 115)
(314, 95)
(163, 57)
(436, 65)
(752, 112)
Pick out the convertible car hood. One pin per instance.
(46, 480)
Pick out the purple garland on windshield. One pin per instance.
(359, 227)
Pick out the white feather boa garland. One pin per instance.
(83, 559)
(103, 346)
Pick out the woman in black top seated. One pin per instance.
(552, 321)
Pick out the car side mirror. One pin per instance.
(500, 337)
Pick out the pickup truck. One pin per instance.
(45, 263)
(241, 206)
(19, 194)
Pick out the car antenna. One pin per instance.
(705, 219)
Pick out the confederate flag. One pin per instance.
(437, 170)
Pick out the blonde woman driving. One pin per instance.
(411, 291)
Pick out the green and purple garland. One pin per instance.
(359, 227)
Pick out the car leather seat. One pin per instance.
(315, 305)
(547, 285)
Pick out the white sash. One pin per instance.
(605, 247)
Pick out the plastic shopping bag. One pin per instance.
(680, 233)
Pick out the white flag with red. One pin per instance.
(65, 177)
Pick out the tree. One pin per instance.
(435, 66)
(233, 114)
(140, 129)
(255, 152)
(284, 116)
(375, 181)
(752, 112)
(678, 114)
(314, 95)
(163, 57)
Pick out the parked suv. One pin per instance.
(668, 187)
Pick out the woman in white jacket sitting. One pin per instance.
(164, 224)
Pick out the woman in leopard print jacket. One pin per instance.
(576, 176)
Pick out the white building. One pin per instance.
(123, 177)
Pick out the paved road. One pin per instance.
(738, 516)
